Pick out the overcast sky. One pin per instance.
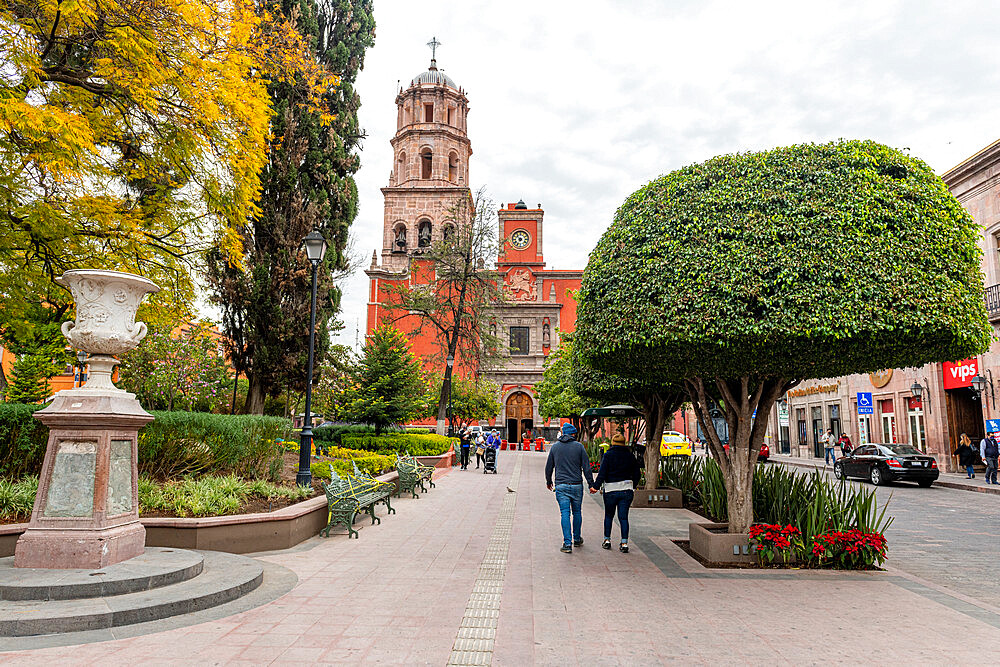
(574, 105)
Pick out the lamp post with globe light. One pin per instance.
(315, 246)
(451, 422)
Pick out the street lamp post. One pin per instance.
(315, 246)
(81, 360)
(451, 428)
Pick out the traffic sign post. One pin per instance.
(865, 406)
(993, 425)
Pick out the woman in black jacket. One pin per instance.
(966, 457)
(620, 475)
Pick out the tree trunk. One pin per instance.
(655, 409)
(741, 398)
(254, 404)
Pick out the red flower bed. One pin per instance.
(849, 549)
(773, 540)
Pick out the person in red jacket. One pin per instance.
(845, 444)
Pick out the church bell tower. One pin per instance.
(430, 171)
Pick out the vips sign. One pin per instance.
(960, 373)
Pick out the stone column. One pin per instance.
(86, 513)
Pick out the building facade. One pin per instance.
(429, 177)
(948, 404)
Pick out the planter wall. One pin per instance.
(713, 544)
(666, 497)
(238, 534)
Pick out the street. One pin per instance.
(946, 536)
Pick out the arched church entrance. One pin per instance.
(520, 410)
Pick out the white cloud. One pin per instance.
(577, 104)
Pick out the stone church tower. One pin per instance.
(430, 171)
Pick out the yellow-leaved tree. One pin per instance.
(132, 133)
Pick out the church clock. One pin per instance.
(520, 239)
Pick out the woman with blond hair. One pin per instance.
(966, 457)
(619, 473)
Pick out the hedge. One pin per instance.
(22, 440)
(416, 444)
(373, 464)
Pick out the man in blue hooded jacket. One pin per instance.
(570, 463)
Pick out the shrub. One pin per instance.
(330, 436)
(775, 540)
(23, 440)
(417, 444)
(192, 443)
(210, 496)
(372, 464)
(848, 550)
(17, 497)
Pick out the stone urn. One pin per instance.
(86, 512)
(105, 326)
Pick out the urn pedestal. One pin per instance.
(86, 512)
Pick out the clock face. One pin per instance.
(520, 239)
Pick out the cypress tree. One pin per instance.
(308, 183)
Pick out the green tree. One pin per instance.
(37, 341)
(744, 274)
(307, 183)
(472, 399)
(455, 305)
(657, 399)
(388, 385)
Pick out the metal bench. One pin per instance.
(346, 497)
(409, 478)
(426, 472)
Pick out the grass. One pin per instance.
(17, 497)
(210, 495)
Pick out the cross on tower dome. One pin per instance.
(434, 43)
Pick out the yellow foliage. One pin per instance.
(132, 132)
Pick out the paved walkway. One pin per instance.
(409, 590)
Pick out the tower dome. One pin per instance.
(433, 75)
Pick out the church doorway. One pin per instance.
(520, 410)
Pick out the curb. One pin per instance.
(995, 490)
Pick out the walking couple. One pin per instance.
(619, 474)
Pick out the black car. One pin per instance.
(882, 464)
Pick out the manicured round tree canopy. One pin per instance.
(805, 261)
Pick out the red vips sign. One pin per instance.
(960, 373)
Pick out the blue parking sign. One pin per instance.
(993, 425)
(865, 406)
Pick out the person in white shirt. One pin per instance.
(829, 442)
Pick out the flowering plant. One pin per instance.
(773, 540)
(849, 549)
(595, 466)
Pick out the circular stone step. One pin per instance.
(156, 567)
(225, 577)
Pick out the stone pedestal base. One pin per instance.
(56, 548)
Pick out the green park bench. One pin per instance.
(347, 496)
(409, 478)
(426, 472)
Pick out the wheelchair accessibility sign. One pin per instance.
(864, 403)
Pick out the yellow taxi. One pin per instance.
(674, 444)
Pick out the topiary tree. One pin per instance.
(657, 399)
(388, 386)
(744, 274)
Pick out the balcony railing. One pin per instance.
(993, 301)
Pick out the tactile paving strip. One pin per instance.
(474, 643)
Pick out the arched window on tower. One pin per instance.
(401, 167)
(448, 232)
(424, 234)
(453, 167)
(399, 238)
(426, 161)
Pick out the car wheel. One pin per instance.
(925, 483)
(875, 475)
(838, 471)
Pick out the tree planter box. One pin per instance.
(715, 545)
(666, 497)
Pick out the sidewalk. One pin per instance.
(950, 480)
(470, 565)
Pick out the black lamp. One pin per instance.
(315, 246)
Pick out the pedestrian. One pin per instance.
(570, 463)
(493, 441)
(989, 450)
(829, 442)
(845, 444)
(966, 457)
(619, 474)
(480, 448)
(465, 442)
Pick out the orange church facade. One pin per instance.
(430, 174)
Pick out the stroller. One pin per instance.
(490, 460)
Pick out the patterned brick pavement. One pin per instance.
(399, 594)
